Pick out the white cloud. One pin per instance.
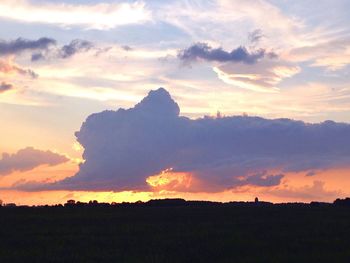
(263, 76)
(332, 54)
(227, 22)
(97, 16)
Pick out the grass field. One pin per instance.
(197, 233)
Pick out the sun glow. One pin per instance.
(170, 180)
(77, 147)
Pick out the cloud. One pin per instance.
(27, 159)
(5, 87)
(20, 45)
(263, 179)
(331, 54)
(37, 56)
(75, 46)
(66, 51)
(127, 48)
(316, 191)
(124, 148)
(311, 173)
(229, 20)
(8, 67)
(255, 36)
(96, 16)
(263, 76)
(202, 51)
(257, 71)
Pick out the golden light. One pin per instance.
(77, 147)
(170, 180)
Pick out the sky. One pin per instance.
(221, 100)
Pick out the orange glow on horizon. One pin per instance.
(295, 187)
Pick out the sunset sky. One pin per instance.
(200, 99)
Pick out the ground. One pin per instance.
(176, 233)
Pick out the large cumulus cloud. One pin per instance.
(124, 147)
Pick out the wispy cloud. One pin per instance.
(255, 36)
(97, 16)
(8, 67)
(225, 21)
(333, 54)
(263, 76)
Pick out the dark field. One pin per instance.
(190, 233)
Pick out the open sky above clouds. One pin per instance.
(277, 71)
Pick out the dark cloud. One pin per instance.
(31, 73)
(263, 179)
(28, 159)
(37, 56)
(20, 44)
(127, 48)
(255, 36)
(124, 147)
(311, 173)
(47, 48)
(202, 51)
(66, 51)
(74, 47)
(5, 87)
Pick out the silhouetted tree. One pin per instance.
(167, 202)
(342, 202)
(70, 202)
(80, 204)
